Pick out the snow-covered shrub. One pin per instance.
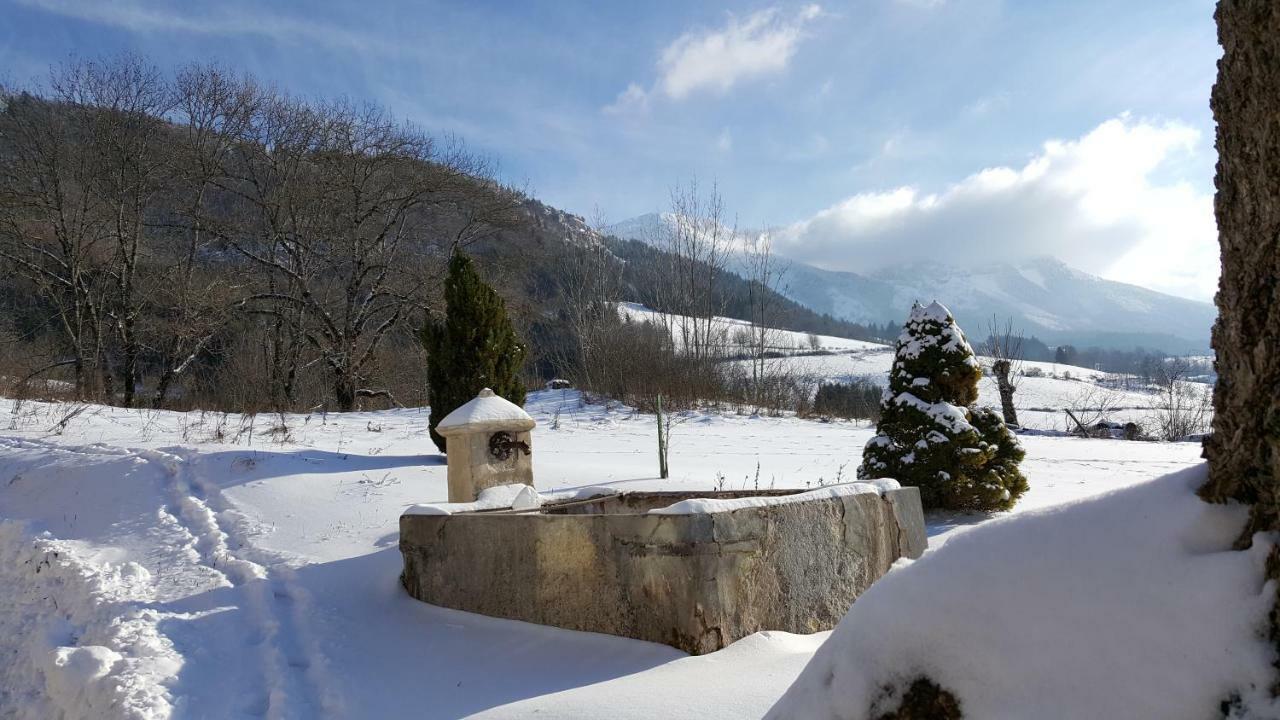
(930, 435)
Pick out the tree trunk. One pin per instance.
(82, 385)
(162, 389)
(344, 391)
(108, 382)
(1000, 369)
(1244, 449)
(129, 369)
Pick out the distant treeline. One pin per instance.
(1140, 362)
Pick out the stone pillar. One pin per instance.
(489, 445)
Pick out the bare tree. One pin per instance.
(589, 285)
(764, 276)
(1004, 347)
(120, 104)
(338, 196)
(1184, 408)
(156, 224)
(698, 242)
(53, 229)
(1090, 406)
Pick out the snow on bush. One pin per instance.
(930, 435)
(1128, 605)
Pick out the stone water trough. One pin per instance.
(698, 575)
(695, 570)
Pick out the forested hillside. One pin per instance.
(643, 261)
(201, 240)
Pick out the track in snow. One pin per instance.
(296, 682)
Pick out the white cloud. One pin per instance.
(761, 44)
(724, 143)
(901, 143)
(143, 17)
(1094, 202)
(632, 100)
(988, 104)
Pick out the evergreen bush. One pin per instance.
(930, 435)
(473, 348)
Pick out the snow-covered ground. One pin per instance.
(726, 329)
(1041, 399)
(1135, 604)
(201, 565)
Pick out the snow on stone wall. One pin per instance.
(694, 506)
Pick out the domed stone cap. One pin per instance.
(486, 412)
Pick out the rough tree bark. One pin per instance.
(1004, 347)
(1002, 369)
(1244, 449)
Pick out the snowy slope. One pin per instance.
(1041, 397)
(785, 341)
(1040, 401)
(1044, 297)
(157, 564)
(1131, 605)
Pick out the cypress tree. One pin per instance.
(930, 435)
(475, 347)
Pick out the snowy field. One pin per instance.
(1040, 401)
(727, 328)
(201, 565)
(1041, 398)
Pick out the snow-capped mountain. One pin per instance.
(647, 228)
(1044, 297)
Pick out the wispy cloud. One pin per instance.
(216, 19)
(724, 143)
(1095, 202)
(758, 45)
(633, 99)
(987, 105)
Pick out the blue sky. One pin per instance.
(868, 132)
